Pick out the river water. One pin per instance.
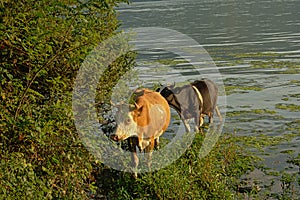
(256, 48)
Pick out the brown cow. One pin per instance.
(143, 123)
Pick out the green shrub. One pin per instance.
(42, 45)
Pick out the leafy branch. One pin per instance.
(48, 63)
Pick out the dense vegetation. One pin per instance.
(42, 45)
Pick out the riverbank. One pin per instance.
(216, 176)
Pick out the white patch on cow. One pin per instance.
(160, 110)
(199, 96)
(158, 117)
(201, 116)
(158, 114)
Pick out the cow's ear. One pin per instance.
(138, 108)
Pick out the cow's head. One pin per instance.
(126, 122)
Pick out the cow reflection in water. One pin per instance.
(142, 123)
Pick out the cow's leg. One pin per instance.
(186, 125)
(196, 129)
(135, 162)
(156, 143)
(141, 143)
(201, 120)
(218, 113)
(197, 122)
(148, 151)
(132, 143)
(210, 119)
(211, 115)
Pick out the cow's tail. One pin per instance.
(218, 113)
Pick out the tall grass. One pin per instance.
(215, 176)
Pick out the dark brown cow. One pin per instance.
(194, 100)
(143, 123)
